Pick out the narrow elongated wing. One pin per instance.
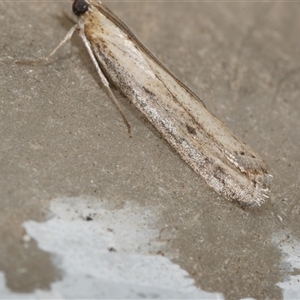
(228, 165)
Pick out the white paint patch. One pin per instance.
(107, 252)
(290, 248)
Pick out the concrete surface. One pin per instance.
(70, 176)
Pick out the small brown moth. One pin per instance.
(228, 165)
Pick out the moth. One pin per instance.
(226, 164)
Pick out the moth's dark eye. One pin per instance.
(80, 7)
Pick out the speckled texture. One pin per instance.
(224, 162)
(60, 136)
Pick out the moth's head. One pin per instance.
(79, 7)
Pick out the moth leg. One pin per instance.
(105, 81)
(44, 59)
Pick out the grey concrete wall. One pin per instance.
(61, 138)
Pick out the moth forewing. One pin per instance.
(228, 165)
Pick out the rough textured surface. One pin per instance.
(61, 136)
